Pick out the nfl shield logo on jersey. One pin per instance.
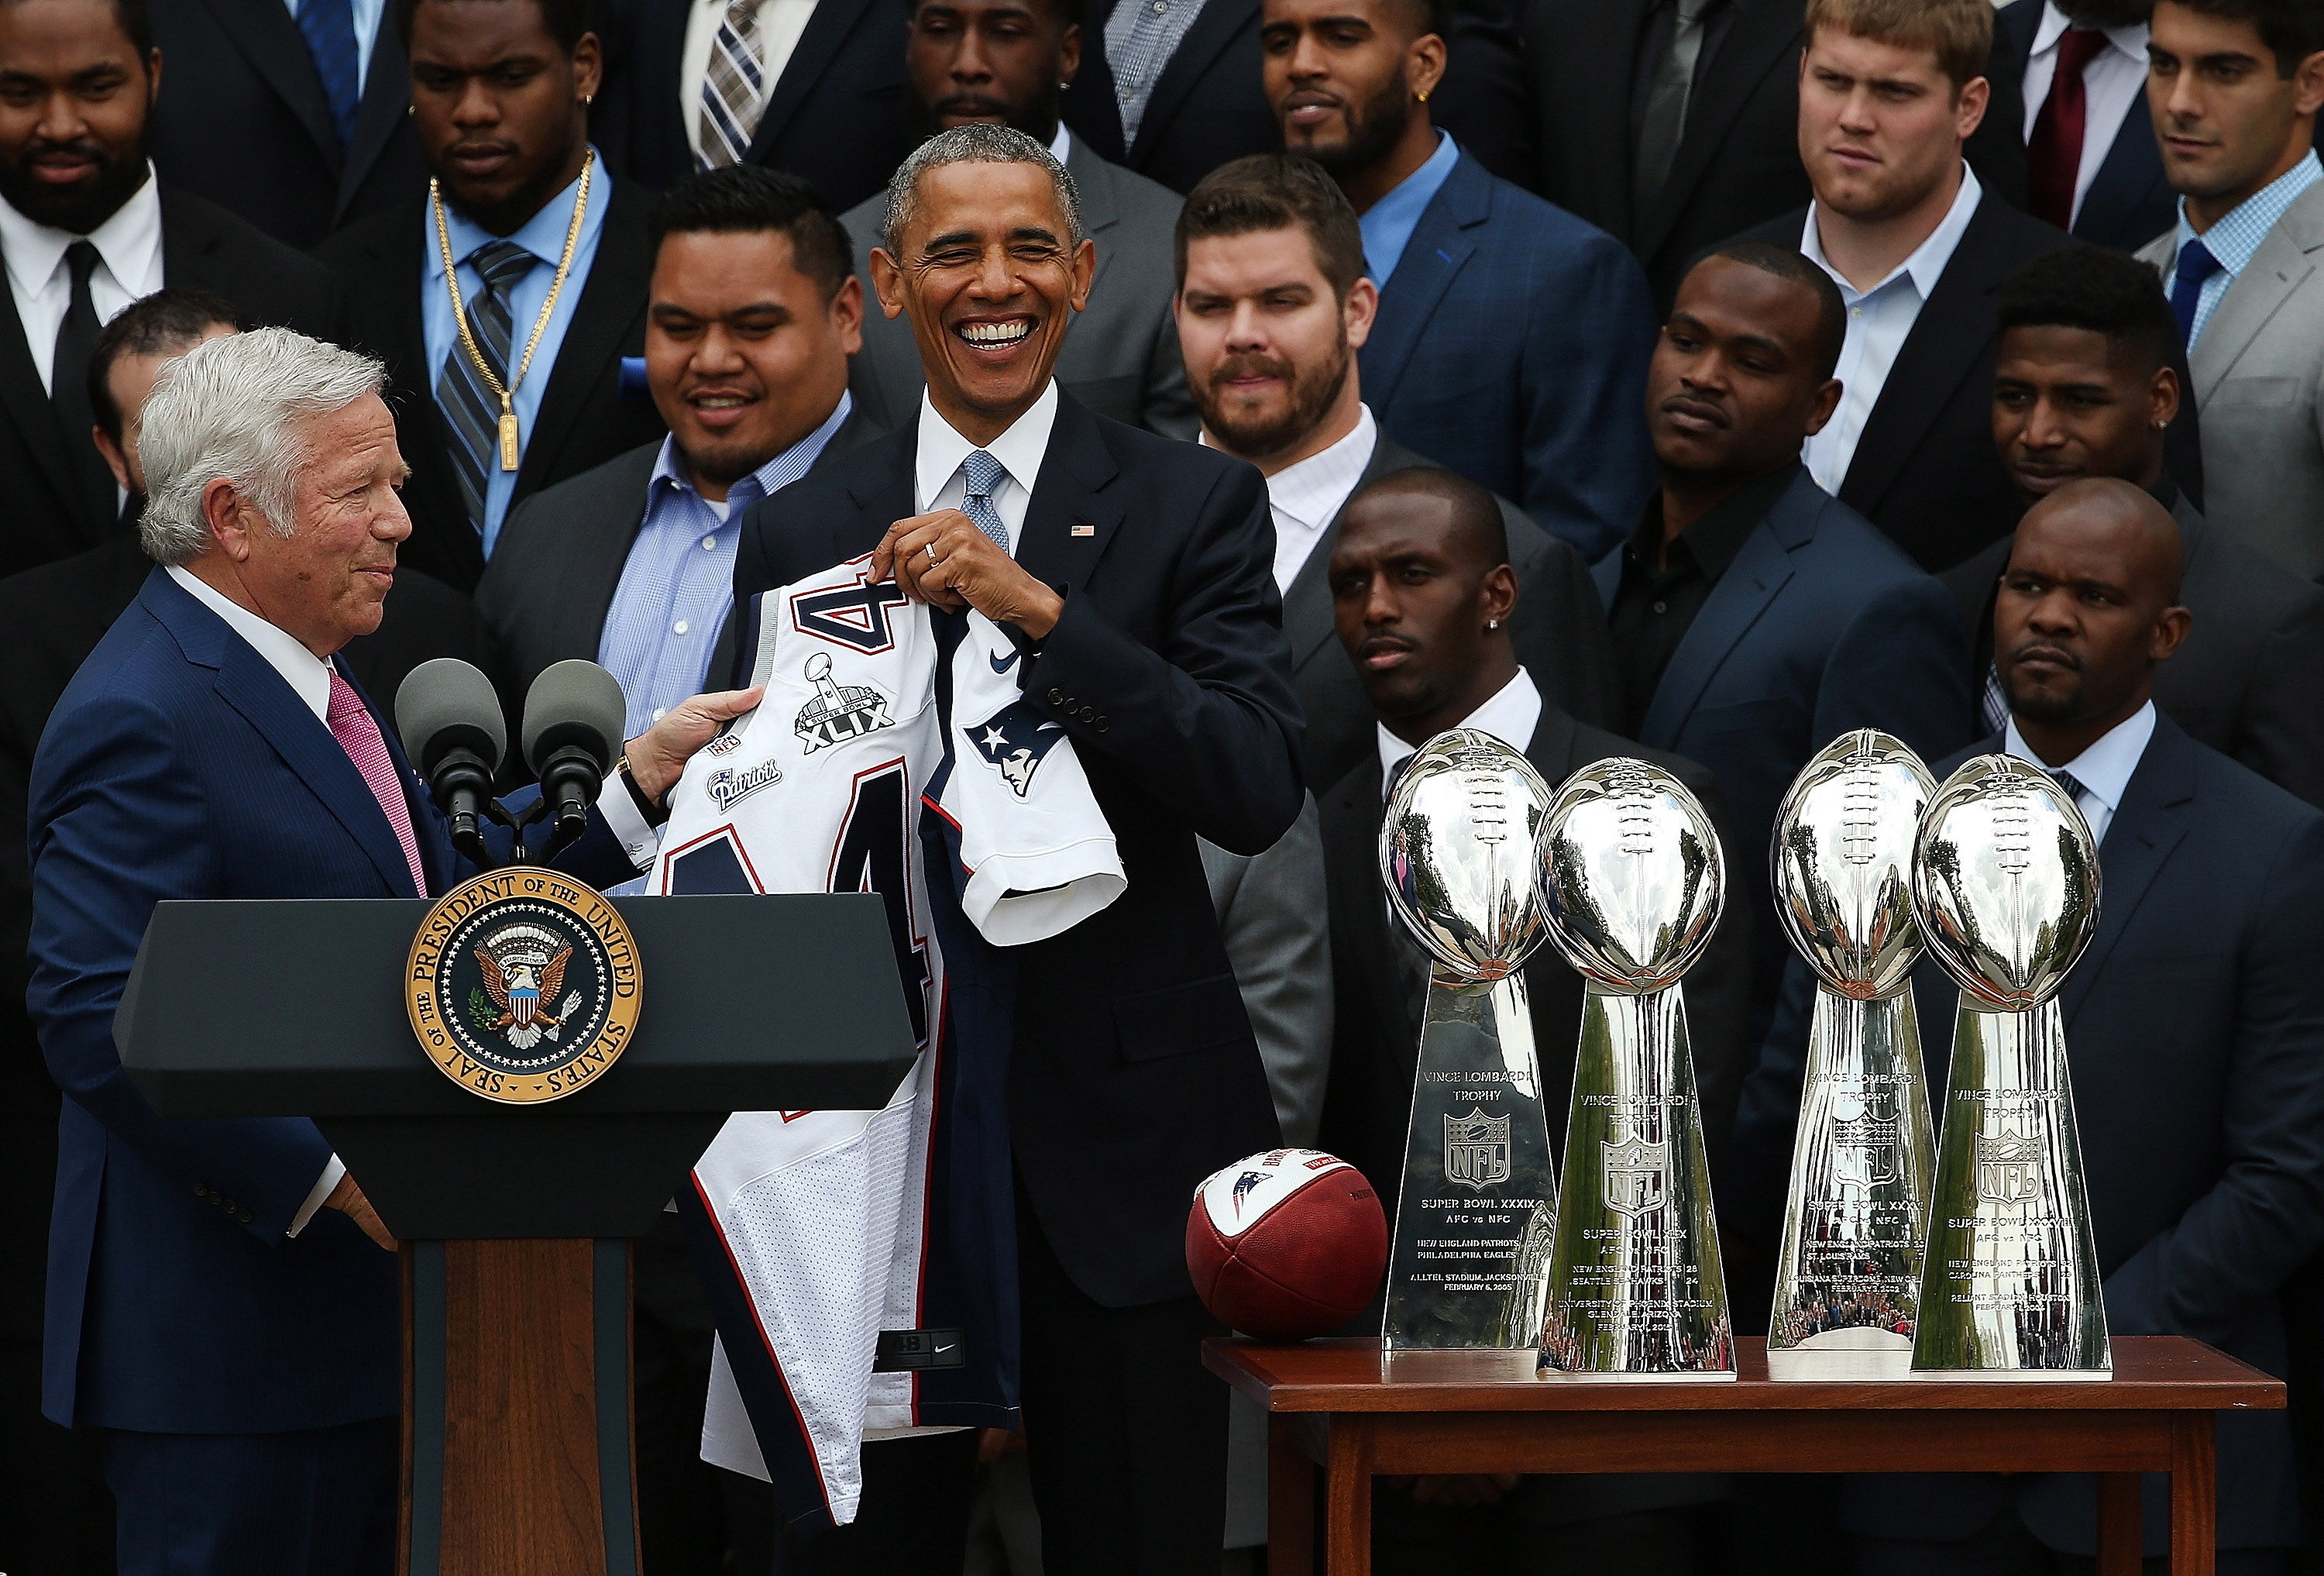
(1014, 741)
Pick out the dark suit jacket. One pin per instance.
(1819, 625)
(2129, 203)
(2195, 1038)
(2246, 681)
(583, 418)
(1168, 671)
(841, 114)
(201, 244)
(559, 560)
(180, 765)
(1512, 344)
(1368, 1102)
(242, 121)
(1739, 158)
(1925, 469)
(1558, 632)
(1208, 106)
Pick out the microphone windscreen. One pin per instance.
(573, 702)
(448, 704)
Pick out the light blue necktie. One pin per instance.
(980, 473)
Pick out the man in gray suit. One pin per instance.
(1006, 62)
(1272, 307)
(2233, 90)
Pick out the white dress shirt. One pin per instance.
(1306, 498)
(1878, 322)
(129, 268)
(2104, 769)
(1510, 716)
(2115, 77)
(937, 481)
(781, 22)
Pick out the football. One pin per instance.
(1287, 1244)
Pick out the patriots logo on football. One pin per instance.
(1243, 1186)
(1014, 741)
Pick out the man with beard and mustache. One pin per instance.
(85, 229)
(1005, 62)
(1510, 336)
(2194, 1030)
(2093, 165)
(550, 274)
(1272, 310)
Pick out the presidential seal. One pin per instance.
(523, 985)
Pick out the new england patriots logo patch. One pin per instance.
(1243, 1184)
(1014, 741)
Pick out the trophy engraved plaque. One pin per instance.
(2005, 891)
(1631, 885)
(1457, 856)
(1856, 1217)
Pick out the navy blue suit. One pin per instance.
(2195, 1033)
(178, 763)
(1511, 347)
(1821, 624)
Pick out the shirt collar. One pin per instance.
(1510, 716)
(1388, 225)
(1927, 264)
(1061, 146)
(128, 240)
(1311, 491)
(2130, 40)
(543, 235)
(1713, 541)
(2237, 236)
(670, 467)
(1019, 450)
(307, 675)
(2105, 769)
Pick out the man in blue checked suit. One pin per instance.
(1512, 338)
(219, 1301)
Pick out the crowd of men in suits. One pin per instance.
(1685, 379)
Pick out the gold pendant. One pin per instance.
(509, 455)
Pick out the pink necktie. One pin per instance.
(357, 732)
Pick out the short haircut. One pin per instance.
(227, 410)
(2097, 287)
(134, 20)
(1068, 13)
(1431, 16)
(2292, 30)
(1831, 311)
(1276, 191)
(168, 320)
(749, 199)
(567, 21)
(1476, 513)
(1959, 31)
(974, 143)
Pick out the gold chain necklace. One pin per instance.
(508, 448)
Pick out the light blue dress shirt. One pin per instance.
(1388, 225)
(678, 582)
(543, 235)
(367, 13)
(2237, 236)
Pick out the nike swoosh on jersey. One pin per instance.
(1001, 667)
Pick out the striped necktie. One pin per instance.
(734, 87)
(980, 473)
(471, 411)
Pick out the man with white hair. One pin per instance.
(221, 1302)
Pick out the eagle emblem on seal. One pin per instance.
(522, 975)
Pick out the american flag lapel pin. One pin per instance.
(1083, 530)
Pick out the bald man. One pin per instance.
(2194, 1029)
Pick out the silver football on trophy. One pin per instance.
(1631, 877)
(1842, 858)
(2006, 882)
(1456, 853)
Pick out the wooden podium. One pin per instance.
(516, 1220)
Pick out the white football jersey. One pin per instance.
(823, 1214)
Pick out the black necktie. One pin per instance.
(68, 394)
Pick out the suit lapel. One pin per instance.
(1765, 37)
(1382, 970)
(595, 557)
(1736, 602)
(1094, 188)
(2281, 266)
(263, 30)
(2138, 843)
(1075, 469)
(1214, 28)
(828, 28)
(1600, 118)
(27, 404)
(1431, 259)
(612, 296)
(386, 93)
(2132, 168)
(1093, 84)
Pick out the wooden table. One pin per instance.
(1329, 1403)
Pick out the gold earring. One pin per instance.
(1424, 97)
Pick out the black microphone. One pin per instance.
(573, 719)
(453, 730)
